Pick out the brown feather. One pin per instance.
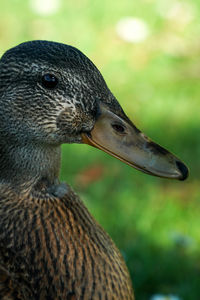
(54, 249)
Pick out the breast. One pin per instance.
(58, 251)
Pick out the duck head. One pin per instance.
(51, 93)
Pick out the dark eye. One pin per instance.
(49, 81)
(119, 128)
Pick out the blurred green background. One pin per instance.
(149, 54)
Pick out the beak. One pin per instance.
(119, 137)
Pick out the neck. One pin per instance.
(25, 167)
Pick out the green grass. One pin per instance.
(154, 222)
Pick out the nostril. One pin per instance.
(183, 169)
(118, 128)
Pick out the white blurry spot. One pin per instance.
(164, 297)
(179, 11)
(45, 7)
(132, 30)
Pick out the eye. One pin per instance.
(49, 81)
(119, 128)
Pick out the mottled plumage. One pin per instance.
(50, 245)
(54, 249)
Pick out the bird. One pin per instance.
(50, 245)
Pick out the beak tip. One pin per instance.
(183, 170)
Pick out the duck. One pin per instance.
(50, 245)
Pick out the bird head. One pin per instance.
(51, 93)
